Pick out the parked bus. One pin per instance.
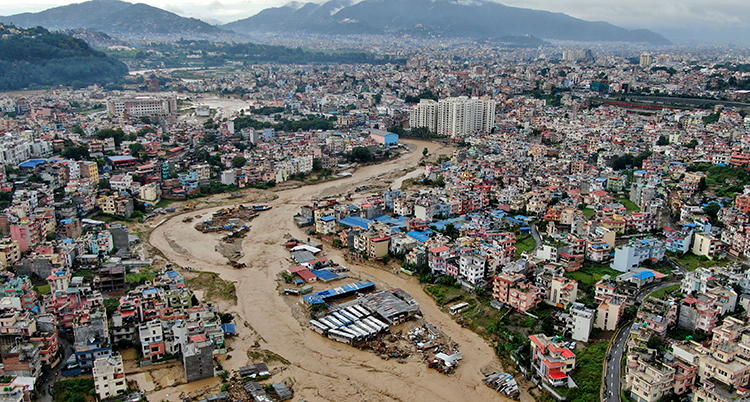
(353, 311)
(362, 310)
(341, 318)
(386, 327)
(330, 325)
(318, 327)
(341, 336)
(458, 308)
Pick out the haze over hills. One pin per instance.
(119, 18)
(479, 19)
(447, 18)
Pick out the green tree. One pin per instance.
(702, 186)
(712, 211)
(136, 148)
(238, 161)
(361, 154)
(425, 151)
(440, 181)
(663, 140)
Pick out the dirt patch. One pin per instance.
(214, 288)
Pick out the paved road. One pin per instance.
(612, 373)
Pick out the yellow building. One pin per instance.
(10, 252)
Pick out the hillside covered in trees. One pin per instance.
(35, 57)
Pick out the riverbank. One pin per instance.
(324, 370)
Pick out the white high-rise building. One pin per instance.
(455, 116)
(424, 114)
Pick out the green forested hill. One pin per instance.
(35, 57)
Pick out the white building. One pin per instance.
(228, 177)
(150, 334)
(424, 114)
(630, 256)
(121, 182)
(109, 377)
(582, 322)
(140, 106)
(471, 267)
(454, 116)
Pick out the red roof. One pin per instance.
(306, 274)
(198, 338)
(440, 249)
(557, 375)
(568, 354)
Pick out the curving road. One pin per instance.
(612, 375)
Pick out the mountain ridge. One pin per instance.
(478, 19)
(118, 18)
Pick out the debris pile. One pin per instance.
(227, 219)
(504, 383)
(438, 351)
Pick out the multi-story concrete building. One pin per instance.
(648, 380)
(608, 313)
(198, 358)
(551, 361)
(582, 322)
(631, 256)
(141, 106)
(109, 377)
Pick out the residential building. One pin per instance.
(636, 252)
(582, 322)
(551, 361)
(109, 377)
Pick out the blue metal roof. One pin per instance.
(644, 275)
(324, 274)
(419, 236)
(356, 221)
(228, 328)
(32, 163)
(328, 218)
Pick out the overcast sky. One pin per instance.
(664, 16)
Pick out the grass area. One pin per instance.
(44, 289)
(588, 373)
(683, 334)
(629, 205)
(445, 294)
(591, 273)
(213, 287)
(691, 262)
(140, 278)
(525, 244)
(265, 356)
(666, 291)
(79, 389)
(588, 212)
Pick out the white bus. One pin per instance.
(384, 326)
(340, 336)
(353, 311)
(341, 318)
(362, 310)
(318, 327)
(458, 308)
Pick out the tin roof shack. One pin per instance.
(395, 306)
(255, 371)
(282, 392)
(257, 392)
(198, 360)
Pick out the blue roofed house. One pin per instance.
(326, 224)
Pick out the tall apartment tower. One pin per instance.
(424, 114)
(455, 117)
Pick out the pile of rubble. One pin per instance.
(438, 351)
(227, 219)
